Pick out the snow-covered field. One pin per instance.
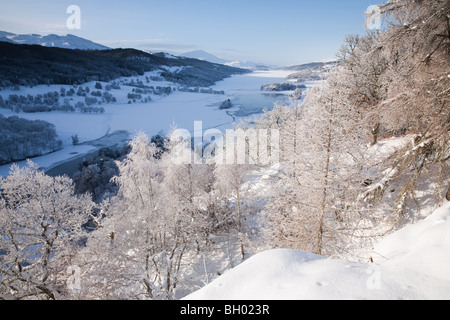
(179, 108)
(411, 264)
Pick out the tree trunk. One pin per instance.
(374, 133)
(240, 221)
(325, 185)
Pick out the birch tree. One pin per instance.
(233, 164)
(127, 256)
(162, 212)
(41, 230)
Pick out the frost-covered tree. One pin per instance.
(21, 138)
(187, 184)
(393, 82)
(125, 257)
(161, 213)
(41, 223)
(276, 119)
(233, 163)
(313, 207)
(416, 42)
(363, 76)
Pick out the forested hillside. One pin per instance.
(31, 65)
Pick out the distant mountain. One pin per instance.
(4, 39)
(248, 65)
(52, 40)
(311, 65)
(203, 55)
(6, 34)
(311, 71)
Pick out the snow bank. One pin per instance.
(413, 263)
(418, 256)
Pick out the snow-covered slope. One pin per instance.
(203, 55)
(4, 39)
(413, 263)
(52, 40)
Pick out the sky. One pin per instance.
(276, 32)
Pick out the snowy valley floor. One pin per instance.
(411, 264)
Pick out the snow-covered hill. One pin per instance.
(203, 55)
(52, 40)
(413, 263)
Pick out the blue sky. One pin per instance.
(280, 32)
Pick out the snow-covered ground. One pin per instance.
(411, 264)
(181, 109)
